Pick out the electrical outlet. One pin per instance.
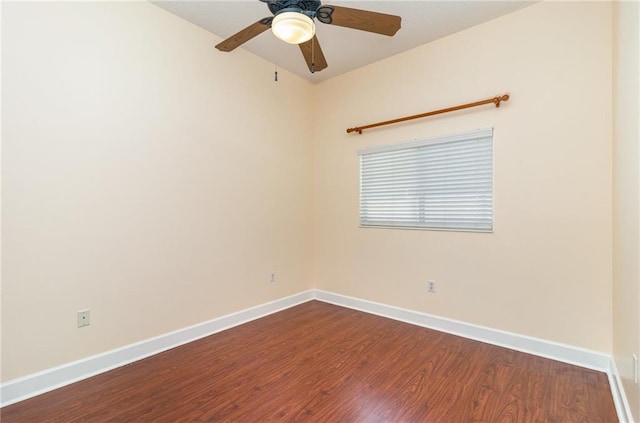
(431, 286)
(273, 277)
(635, 368)
(84, 318)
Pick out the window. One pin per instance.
(443, 183)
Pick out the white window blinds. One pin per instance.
(442, 183)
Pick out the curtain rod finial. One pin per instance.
(497, 100)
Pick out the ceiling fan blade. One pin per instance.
(313, 55)
(365, 20)
(245, 35)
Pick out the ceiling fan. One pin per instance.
(292, 22)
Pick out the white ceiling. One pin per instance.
(345, 49)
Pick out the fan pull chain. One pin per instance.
(313, 55)
(276, 73)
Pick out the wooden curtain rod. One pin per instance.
(494, 100)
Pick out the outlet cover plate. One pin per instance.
(84, 318)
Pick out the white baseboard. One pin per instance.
(38, 383)
(619, 395)
(560, 352)
(29, 386)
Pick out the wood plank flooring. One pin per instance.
(317, 362)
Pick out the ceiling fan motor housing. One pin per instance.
(308, 7)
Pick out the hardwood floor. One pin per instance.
(317, 362)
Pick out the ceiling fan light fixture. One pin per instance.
(293, 27)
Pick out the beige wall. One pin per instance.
(626, 196)
(146, 176)
(546, 269)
